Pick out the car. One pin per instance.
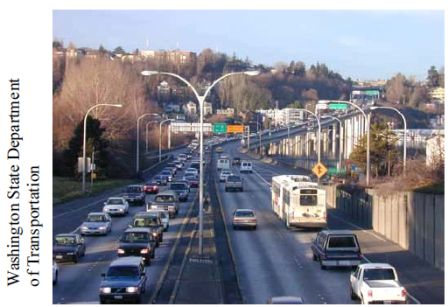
(222, 163)
(375, 283)
(336, 248)
(116, 206)
(236, 161)
(137, 242)
(164, 217)
(182, 157)
(234, 182)
(179, 164)
(124, 281)
(151, 187)
(195, 165)
(219, 149)
(96, 223)
(55, 273)
(285, 300)
(172, 169)
(166, 200)
(69, 247)
(246, 166)
(224, 174)
(134, 194)
(192, 180)
(160, 179)
(244, 218)
(147, 220)
(168, 174)
(191, 171)
(182, 189)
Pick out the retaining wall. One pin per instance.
(415, 221)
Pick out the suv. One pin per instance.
(137, 242)
(134, 194)
(165, 200)
(234, 182)
(181, 188)
(153, 223)
(236, 161)
(336, 248)
(246, 167)
(124, 281)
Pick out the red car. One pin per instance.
(193, 181)
(151, 187)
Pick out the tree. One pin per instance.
(94, 141)
(396, 89)
(119, 50)
(433, 77)
(102, 50)
(383, 152)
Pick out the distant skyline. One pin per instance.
(365, 44)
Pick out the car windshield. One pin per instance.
(379, 274)
(133, 190)
(166, 172)
(123, 272)
(136, 237)
(95, 218)
(114, 201)
(244, 214)
(177, 186)
(65, 240)
(164, 198)
(145, 221)
(158, 178)
(342, 242)
(233, 178)
(190, 177)
(225, 173)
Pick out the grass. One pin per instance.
(66, 189)
(435, 188)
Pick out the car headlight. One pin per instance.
(120, 251)
(155, 234)
(105, 290)
(132, 289)
(102, 228)
(70, 253)
(84, 228)
(121, 209)
(144, 251)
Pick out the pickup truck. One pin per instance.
(234, 183)
(376, 283)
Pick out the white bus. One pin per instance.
(299, 202)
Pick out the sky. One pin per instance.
(361, 44)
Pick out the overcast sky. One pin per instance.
(365, 44)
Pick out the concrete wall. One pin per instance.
(415, 221)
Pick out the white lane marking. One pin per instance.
(256, 173)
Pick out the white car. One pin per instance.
(164, 217)
(116, 206)
(55, 272)
(246, 167)
(191, 171)
(376, 283)
(224, 174)
(97, 223)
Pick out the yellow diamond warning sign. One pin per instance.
(319, 170)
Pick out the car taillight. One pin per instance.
(369, 293)
(403, 292)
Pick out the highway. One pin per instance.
(79, 283)
(275, 261)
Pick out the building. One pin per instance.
(178, 57)
(284, 117)
(208, 108)
(190, 109)
(229, 112)
(171, 107)
(437, 94)
(163, 88)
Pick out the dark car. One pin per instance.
(336, 248)
(124, 281)
(134, 194)
(154, 224)
(137, 242)
(160, 179)
(182, 188)
(151, 187)
(192, 180)
(68, 247)
(236, 161)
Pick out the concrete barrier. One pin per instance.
(415, 221)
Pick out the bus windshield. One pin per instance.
(308, 200)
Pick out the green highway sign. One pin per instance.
(337, 106)
(336, 171)
(219, 128)
(371, 93)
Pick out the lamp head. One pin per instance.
(252, 72)
(149, 72)
(373, 108)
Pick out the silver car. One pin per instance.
(97, 223)
(244, 218)
(116, 206)
(164, 217)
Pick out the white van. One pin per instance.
(223, 164)
(246, 167)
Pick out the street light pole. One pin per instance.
(84, 140)
(160, 137)
(405, 132)
(201, 100)
(137, 164)
(340, 137)
(318, 133)
(146, 135)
